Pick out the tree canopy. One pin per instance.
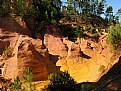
(114, 37)
(45, 12)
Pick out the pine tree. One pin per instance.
(109, 13)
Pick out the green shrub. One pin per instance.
(87, 28)
(34, 11)
(87, 86)
(25, 85)
(28, 79)
(92, 29)
(20, 7)
(68, 31)
(79, 32)
(17, 85)
(114, 37)
(101, 68)
(61, 82)
(64, 82)
(54, 22)
(3, 7)
(95, 34)
(6, 52)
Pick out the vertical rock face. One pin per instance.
(55, 45)
(53, 40)
(74, 53)
(28, 57)
(27, 52)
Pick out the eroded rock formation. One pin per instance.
(27, 52)
(85, 60)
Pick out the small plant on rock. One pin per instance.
(17, 85)
(101, 68)
(6, 52)
(28, 79)
(25, 85)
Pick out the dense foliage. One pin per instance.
(109, 13)
(45, 12)
(87, 6)
(114, 37)
(118, 17)
(61, 82)
(37, 10)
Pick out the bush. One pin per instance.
(114, 37)
(92, 29)
(34, 11)
(101, 68)
(6, 52)
(61, 82)
(3, 10)
(20, 7)
(79, 32)
(54, 22)
(87, 86)
(17, 85)
(67, 31)
(26, 85)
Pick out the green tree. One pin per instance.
(48, 9)
(100, 8)
(94, 5)
(85, 6)
(114, 37)
(116, 18)
(109, 13)
(119, 15)
(4, 7)
(26, 85)
(19, 7)
(72, 9)
(61, 82)
(79, 32)
(119, 12)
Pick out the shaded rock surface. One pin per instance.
(27, 52)
(14, 24)
(112, 80)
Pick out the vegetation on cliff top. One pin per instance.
(45, 12)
